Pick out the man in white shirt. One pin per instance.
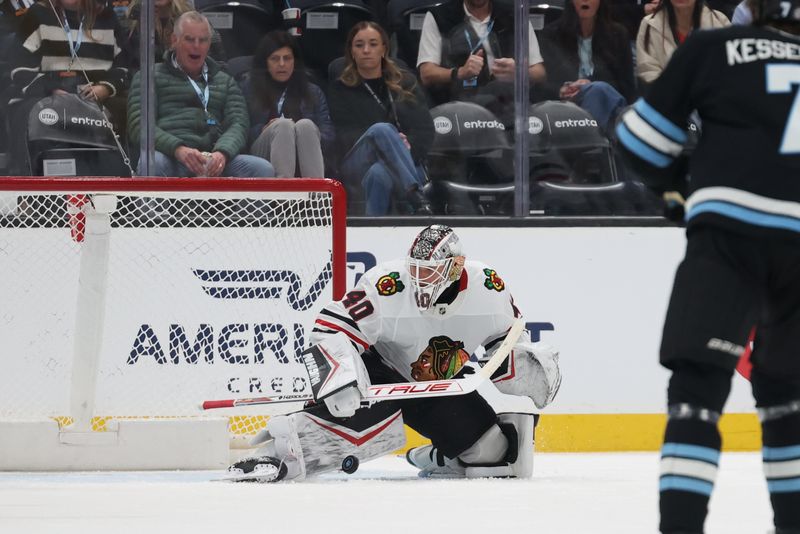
(467, 45)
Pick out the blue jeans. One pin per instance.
(603, 102)
(383, 164)
(241, 166)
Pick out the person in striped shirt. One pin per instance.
(67, 47)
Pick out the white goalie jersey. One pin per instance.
(381, 311)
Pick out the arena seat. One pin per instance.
(68, 135)
(405, 25)
(573, 167)
(543, 13)
(324, 27)
(241, 23)
(238, 67)
(470, 162)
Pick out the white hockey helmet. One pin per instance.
(434, 262)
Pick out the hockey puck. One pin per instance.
(350, 465)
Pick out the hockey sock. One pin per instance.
(691, 451)
(781, 436)
(689, 462)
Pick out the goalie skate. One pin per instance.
(262, 469)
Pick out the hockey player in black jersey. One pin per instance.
(742, 262)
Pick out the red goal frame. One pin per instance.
(168, 184)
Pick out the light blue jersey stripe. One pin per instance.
(758, 218)
(685, 484)
(772, 454)
(789, 485)
(695, 452)
(660, 122)
(640, 148)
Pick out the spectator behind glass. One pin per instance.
(167, 12)
(382, 123)
(201, 116)
(59, 41)
(466, 52)
(289, 117)
(588, 60)
(630, 13)
(668, 27)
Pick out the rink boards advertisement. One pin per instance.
(189, 319)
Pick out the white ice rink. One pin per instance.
(569, 494)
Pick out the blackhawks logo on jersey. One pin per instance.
(493, 281)
(441, 359)
(389, 284)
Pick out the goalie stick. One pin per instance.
(400, 390)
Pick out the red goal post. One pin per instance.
(130, 300)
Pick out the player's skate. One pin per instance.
(433, 464)
(505, 450)
(309, 443)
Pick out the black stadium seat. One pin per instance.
(69, 135)
(239, 66)
(241, 23)
(405, 24)
(543, 13)
(324, 27)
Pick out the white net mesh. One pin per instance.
(208, 295)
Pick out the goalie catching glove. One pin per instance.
(337, 374)
(536, 373)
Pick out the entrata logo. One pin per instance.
(442, 125)
(48, 116)
(488, 125)
(576, 123)
(88, 121)
(535, 125)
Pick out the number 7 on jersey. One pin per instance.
(780, 79)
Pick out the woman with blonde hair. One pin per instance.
(382, 124)
(167, 12)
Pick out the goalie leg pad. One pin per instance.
(313, 442)
(518, 458)
(337, 374)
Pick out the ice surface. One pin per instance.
(569, 494)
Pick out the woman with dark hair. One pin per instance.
(666, 29)
(289, 117)
(588, 60)
(382, 123)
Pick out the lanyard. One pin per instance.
(381, 104)
(202, 95)
(480, 42)
(281, 101)
(73, 47)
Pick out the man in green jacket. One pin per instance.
(201, 116)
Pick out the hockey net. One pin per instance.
(139, 298)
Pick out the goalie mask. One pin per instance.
(434, 262)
